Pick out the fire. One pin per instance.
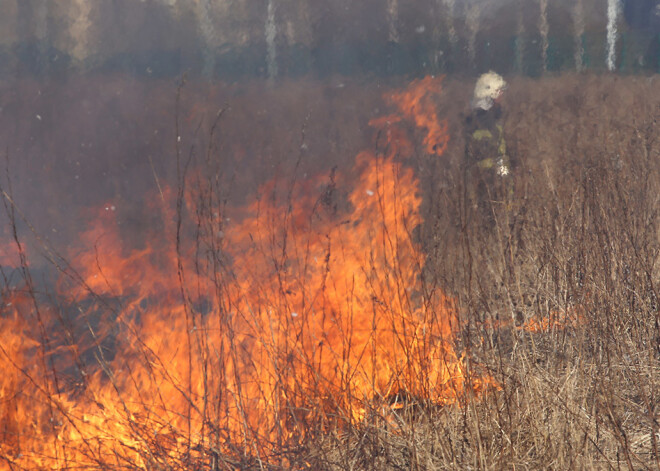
(243, 334)
(417, 103)
(10, 252)
(556, 320)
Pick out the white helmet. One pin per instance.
(488, 89)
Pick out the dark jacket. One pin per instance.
(485, 146)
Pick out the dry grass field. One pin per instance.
(355, 315)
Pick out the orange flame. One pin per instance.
(240, 336)
(556, 320)
(418, 102)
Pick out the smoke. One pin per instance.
(41, 21)
(451, 29)
(79, 30)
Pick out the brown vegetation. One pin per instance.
(557, 329)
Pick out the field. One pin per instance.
(302, 283)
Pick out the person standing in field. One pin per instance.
(487, 166)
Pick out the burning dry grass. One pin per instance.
(309, 329)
